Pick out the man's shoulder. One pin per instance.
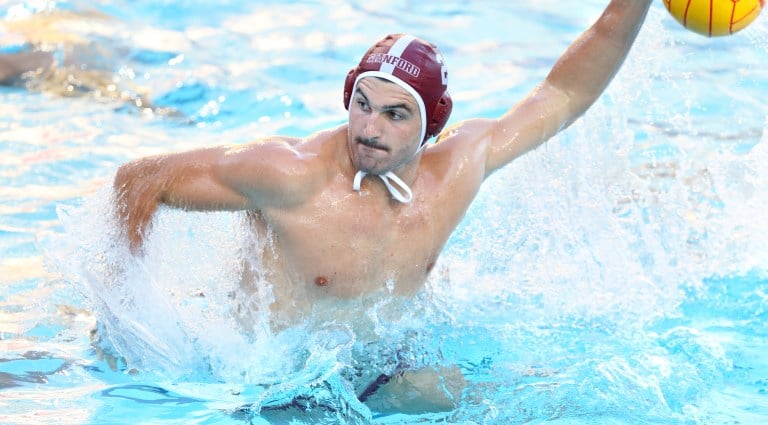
(325, 136)
(314, 146)
(457, 159)
(464, 134)
(292, 148)
(461, 139)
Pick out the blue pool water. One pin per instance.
(616, 275)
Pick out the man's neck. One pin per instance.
(397, 183)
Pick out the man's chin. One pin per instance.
(373, 171)
(368, 168)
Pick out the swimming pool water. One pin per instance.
(616, 275)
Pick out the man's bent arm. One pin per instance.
(210, 179)
(183, 180)
(576, 80)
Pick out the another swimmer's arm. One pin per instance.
(212, 179)
(576, 80)
(14, 64)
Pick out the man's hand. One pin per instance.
(136, 200)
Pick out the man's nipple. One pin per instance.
(321, 281)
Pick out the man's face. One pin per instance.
(384, 126)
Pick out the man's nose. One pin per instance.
(372, 125)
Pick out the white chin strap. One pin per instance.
(403, 194)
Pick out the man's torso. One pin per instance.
(341, 244)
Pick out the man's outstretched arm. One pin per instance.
(576, 80)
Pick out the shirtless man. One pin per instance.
(365, 206)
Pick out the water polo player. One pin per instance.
(362, 211)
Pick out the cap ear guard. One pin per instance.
(439, 116)
(349, 84)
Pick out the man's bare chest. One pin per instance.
(343, 251)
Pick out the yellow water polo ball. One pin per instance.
(714, 18)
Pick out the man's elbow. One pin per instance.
(563, 106)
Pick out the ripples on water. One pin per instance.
(616, 275)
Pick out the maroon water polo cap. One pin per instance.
(415, 65)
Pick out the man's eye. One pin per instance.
(396, 116)
(362, 105)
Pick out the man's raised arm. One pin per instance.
(576, 80)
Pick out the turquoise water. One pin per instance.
(616, 275)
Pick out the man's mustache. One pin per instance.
(371, 143)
